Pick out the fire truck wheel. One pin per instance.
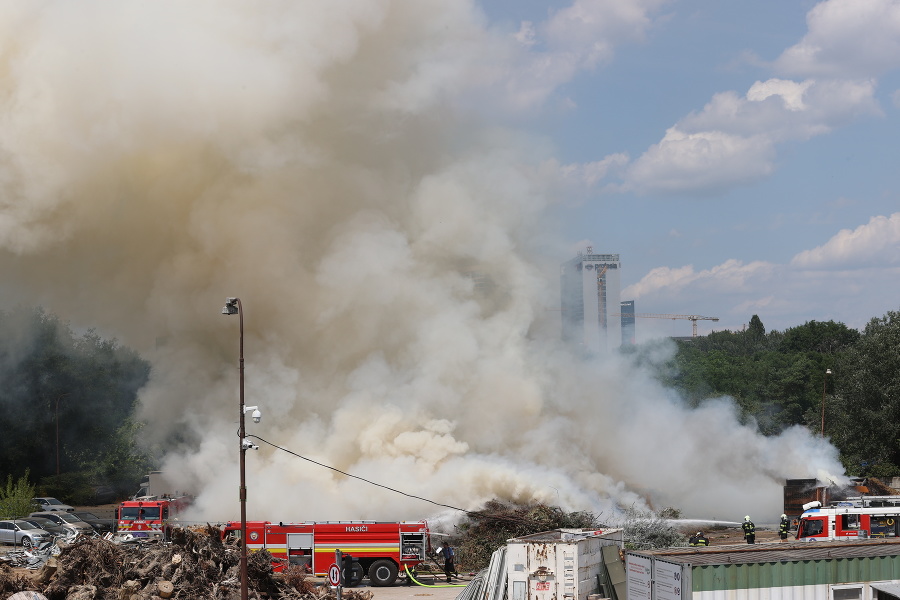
(382, 573)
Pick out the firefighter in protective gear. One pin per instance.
(784, 527)
(449, 555)
(749, 530)
(698, 539)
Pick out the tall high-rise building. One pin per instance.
(627, 311)
(589, 294)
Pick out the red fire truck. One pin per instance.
(382, 550)
(148, 518)
(848, 520)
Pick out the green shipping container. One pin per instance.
(854, 570)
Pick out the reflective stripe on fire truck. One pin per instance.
(346, 548)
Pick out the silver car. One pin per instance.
(51, 527)
(47, 503)
(67, 520)
(22, 533)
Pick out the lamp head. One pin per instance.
(230, 306)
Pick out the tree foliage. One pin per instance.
(16, 498)
(645, 530)
(778, 380)
(69, 401)
(863, 412)
(774, 378)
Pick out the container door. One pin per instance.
(544, 576)
(668, 583)
(639, 580)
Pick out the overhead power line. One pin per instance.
(396, 491)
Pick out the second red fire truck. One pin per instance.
(857, 518)
(148, 518)
(381, 550)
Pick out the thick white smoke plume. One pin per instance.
(323, 162)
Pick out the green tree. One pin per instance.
(825, 338)
(774, 378)
(756, 330)
(69, 397)
(16, 498)
(863, 412)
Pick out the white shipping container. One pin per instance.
(563, 564)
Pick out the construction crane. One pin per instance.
(692, 318)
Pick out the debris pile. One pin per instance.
(482, 532)
(12, 581)
(196, 564)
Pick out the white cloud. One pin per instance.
(847, 38)
(589, 30)
(875, 243)
(576, 38)
(754, 305)
(790, 92)
(828, 282)
(707, 160)
(730, 276)
(734, 139)
(593, 172)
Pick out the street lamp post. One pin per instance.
(233, 307)
(824, 382)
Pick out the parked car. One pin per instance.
(49, 525)
(45, 504)
(22, 533)
(101, 525)
(66, 519)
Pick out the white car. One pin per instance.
(46, 504)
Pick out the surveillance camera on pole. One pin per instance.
(257, 416)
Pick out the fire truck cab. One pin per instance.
(148, 518)
(847, 520)
(381, 550)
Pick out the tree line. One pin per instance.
(822, 375)
(68, 404)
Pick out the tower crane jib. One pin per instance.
(692, 318)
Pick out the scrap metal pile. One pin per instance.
(196, 564)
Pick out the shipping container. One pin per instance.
(844, 570)
(562, 564)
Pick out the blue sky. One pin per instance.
(743, 152)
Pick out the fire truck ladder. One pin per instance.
(692, 318)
